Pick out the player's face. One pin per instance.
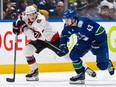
(67, 22)
(70, 22)
(32, 17)
(105, 11)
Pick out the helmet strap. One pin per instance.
(72, 22)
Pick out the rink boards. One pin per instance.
(48, 61)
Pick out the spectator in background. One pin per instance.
(81, 4)
(21, 4)
(77, 4)
(92, 12)
(47, 5)
(31, 2)
(105, 11)
(114, 3)
(111, 7)
(9, 12)
(82, 12)
(58, 11)
(57, 1)
(72, 4)
(42, 11)
(110, 3)
(94, 1)
(45, 13)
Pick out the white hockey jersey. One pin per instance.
(41, 25)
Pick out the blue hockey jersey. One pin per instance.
(86, 30)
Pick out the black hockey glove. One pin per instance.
(64, 50)
(15, 30)
(21, 25)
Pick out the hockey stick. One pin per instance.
(14, 73)
(49, 42)
(53, 46)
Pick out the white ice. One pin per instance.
(59, 79)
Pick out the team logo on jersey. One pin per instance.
(39, 20)
(80, 24)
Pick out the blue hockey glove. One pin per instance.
(64, 50)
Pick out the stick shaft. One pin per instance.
(53, 46)
(15, 56)
(14, 69)
(48, 42)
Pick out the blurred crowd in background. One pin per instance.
(93, 9)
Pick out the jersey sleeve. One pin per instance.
(98, 30)
(100, 35)
(65, 34)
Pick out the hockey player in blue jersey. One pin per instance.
(90, 36)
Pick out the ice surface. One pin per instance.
(59, 79)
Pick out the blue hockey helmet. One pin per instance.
(70, 13)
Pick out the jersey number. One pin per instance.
(89, 28)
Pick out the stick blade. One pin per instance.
(10, 80)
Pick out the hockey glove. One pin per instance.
(21, 25)
(64, 50)
(15, 30)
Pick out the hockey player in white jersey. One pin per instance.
(35, 26)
